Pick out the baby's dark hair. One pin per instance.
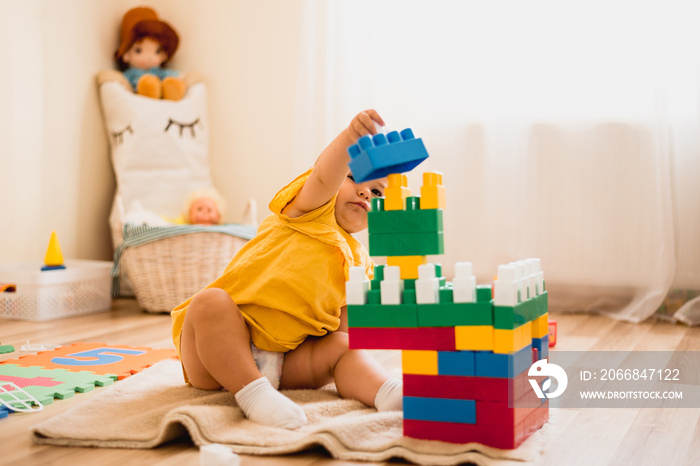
(141, 32)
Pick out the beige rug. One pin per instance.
(155, 406)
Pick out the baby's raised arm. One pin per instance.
(331, 167)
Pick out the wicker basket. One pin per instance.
(166, 272)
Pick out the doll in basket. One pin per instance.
(147, 44)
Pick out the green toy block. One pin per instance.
(541, 305)
(406, 244)
(507, 317)
(446, 294)
(409, 284)
(405, 221)
(483, 293)
(374, 296)
(453, 314)
(378, 315)
(378, 276)
(408, 296)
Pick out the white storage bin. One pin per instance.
(84, 286)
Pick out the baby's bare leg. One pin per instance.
(318, 361)
(215, 343)
(215, 352)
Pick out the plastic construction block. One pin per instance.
(406, 244)
(474, 337)
(542, 346)
(455, 363)
(383, 315)
(446, 314)
(494, 436)
(510, 341)
(419, 362)
(47, 384)
(408, 265)
(484, 293)
(3, 412)
(439, 409)
(466, 388)
(489, 364)
(432, 193)
(396, 192)
(507, 413)
(99, 358)
(552, 333)
(540, 326)
(425, 338)
(404, 221)
(381, 155)
(510, 317)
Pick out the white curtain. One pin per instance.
(565, 131)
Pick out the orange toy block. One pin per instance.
(407, 264)
(432, 193)
(396, 193)
(474, 337)
(100, 358)
(419, 362)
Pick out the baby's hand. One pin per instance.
(364, 123)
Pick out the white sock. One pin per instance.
(390, 396)
(263, 404)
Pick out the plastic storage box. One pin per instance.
(84, 286)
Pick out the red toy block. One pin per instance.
(506, 437)
(506, 413)
(466, 387)
(552, 332)
(424, 338)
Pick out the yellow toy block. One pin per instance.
(432, 193)
(419, 362)
(474, 337)
(407, 264)
(396, 193)
(540, 326)
(510, 341)
(53, 257)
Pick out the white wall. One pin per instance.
(55, 172)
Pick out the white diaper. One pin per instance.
(269, 363)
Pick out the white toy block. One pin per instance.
(464, 283)
(539, 276)
(505, 288)
(520, 280)
(531, 279)
(216, 454)
(357, 287)
(392, 286)
(427, 285)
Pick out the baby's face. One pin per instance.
(203, 211)
(145, 54)
(353, 202)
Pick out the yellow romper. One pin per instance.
(289, 280)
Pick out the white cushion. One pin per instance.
(160, 148)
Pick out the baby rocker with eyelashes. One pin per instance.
(160, 155)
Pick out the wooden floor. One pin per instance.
(585, 436)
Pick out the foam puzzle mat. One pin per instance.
(100, 358)
(75, 368)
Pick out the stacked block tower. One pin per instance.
(466, 348)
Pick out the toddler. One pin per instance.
(280, 302)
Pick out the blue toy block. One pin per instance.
(439, 409)
(4, 412)
(490, 364)
(542, 345)
(456, 363)
(381, 155)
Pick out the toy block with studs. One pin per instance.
(466, 348)
(383, 154)
(432, 193)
